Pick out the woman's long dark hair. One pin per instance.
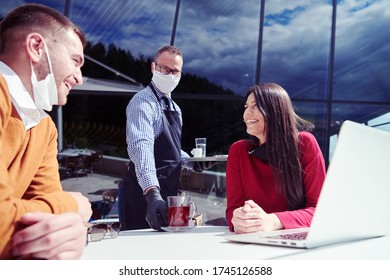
(282, 128)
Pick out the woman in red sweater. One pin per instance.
(273, 181)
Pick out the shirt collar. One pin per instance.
(260, 152)
(21, 99)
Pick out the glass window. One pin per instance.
(296, 43)
(138, 26)
(359, 112)
(382, 122)
(7, 5)
(372, 115)
(220, 121)
(315, 113)
(90, 123)
(219, 41)
(362, 51)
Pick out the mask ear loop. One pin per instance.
(32, 70)
(53, 100)
(48, 58)
(48, 61)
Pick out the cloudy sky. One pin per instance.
(219, 39)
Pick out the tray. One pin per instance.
(177, 229)
(213, 158)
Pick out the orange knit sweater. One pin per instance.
(29, 178)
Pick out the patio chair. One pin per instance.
(95, 159)
(76, 165)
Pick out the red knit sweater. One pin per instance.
(248, 177)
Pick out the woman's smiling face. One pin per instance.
(254, 120)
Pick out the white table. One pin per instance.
(208, 243)
(75, 152)
(216, 158)
(205, 242)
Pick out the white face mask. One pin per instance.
(45, 91)
(165, 83)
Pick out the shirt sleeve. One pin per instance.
(141, 132)
(235, 195)
(8, 212)
(45, 191)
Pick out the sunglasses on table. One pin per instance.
(97, 232)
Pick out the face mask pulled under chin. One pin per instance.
(45, 91)
(165, 83)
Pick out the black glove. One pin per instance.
(199, 166)
(157, 211)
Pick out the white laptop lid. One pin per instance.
(355, 199)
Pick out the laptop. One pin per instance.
(354, 203)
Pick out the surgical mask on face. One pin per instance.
(165, 83)
(45, 91)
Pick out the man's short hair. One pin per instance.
(168, 48)
(38, 18)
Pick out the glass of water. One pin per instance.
(201, 143)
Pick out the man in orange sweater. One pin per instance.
(41, 53)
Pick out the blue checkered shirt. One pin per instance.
(143, 125)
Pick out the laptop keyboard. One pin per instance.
(294, 236)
